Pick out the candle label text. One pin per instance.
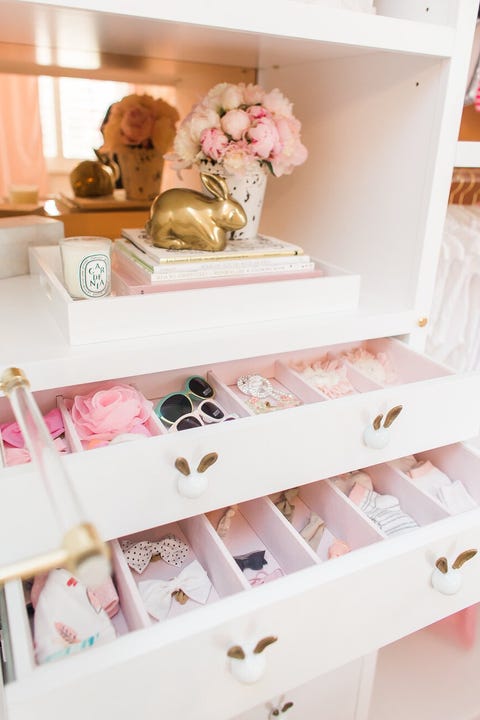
(94, 275)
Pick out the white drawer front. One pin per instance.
(125, 488)
(324, 614)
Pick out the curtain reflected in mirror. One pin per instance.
(22, 161)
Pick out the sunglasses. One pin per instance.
(173, 406)
(207, 413)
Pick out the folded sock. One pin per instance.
(456, 498)
(452, 494)
(346, 481)
(405, 463)
(383, 510)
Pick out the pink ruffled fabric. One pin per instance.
(16, 456)
(12, 434)
(329, 375)
(377, 367)
(104, 414)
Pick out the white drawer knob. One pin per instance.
(193, 484)
(447, 580)
(247, 665)
(377, 434)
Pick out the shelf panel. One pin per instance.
(215, 31)
(31, 340)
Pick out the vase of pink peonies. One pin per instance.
(244, 134)
(137, 132)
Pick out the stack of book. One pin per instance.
(263, 258)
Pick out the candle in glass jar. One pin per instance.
(23, 194)
(86, 266)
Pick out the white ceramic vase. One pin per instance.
(248, 190)
(141, 171)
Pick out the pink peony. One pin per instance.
(243, 128)
(239, 159)
(139, 120)
(214, 143)
(292, 153)
(235, 123)
(255, 112)
(264, 137)
(109, 412)
(136, 125)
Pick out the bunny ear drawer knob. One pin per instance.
(248, 663)
(193, 484)
(377, 434)
(448, 579)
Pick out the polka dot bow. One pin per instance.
(138, 554)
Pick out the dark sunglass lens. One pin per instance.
(174, 407)
(212, 410)
(200, 387)
(188, 422)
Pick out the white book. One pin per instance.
(269, 261)
(130, 259)
(260, 247)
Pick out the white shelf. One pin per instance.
(217, 32)
(468, 154)
(32, 341)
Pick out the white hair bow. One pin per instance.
(157, 594)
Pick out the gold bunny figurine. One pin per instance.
(181, 218)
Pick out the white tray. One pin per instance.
(114, 318)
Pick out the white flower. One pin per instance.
(202, 119)
(277, 103)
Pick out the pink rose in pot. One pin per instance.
(214, 143)
(110, 412)
(137, 125)
(264, 137)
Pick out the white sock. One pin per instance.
(383, 510)
(429, 478)
(456, 498)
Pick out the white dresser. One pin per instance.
(380, 98)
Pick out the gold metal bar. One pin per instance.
(23, 569)
(83, 553)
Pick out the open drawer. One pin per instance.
(128, 487)
(324, 613)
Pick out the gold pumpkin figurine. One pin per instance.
(91, 178)
(186, 219)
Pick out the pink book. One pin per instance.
(123, 283)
